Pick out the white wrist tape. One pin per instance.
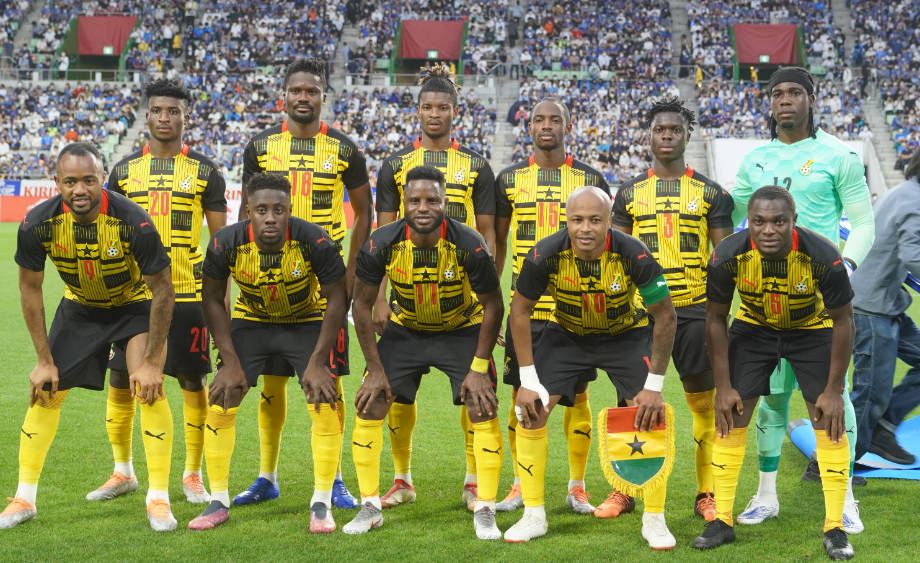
(654, 382)
(529, 380)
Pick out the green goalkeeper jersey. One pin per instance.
(824, 176)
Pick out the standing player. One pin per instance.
(321, 163)
(530, 201)
(677, 212)
(470, 200)
(280, 264)
(177, 187)
(825, 178)
(592, 274)
(447, 314)
(118, 291)
(796, 304)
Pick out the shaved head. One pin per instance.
(591, 191)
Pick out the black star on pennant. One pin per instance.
(636, 445)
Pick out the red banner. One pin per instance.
(752, 40)
(95, 33)
(421, 36)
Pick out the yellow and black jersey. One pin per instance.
(102, 263)
(591, 296)
(283, 286)
(535, 199)
(673, 218)
(434, 289)
(175, 192)
(470, 181)
(784, 293)
(320, 169)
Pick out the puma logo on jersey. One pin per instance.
(393, 429)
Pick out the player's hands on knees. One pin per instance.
(651, 409)
(319, 385)
(829, 407)
(478, 395)
(725, 402)
(375, 382)
(42, 374)
(228, 386)
(146, 383)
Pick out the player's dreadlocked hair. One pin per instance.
(168, 88)
(438, 78)
(802, 77)
(313, 66)
(672, 105)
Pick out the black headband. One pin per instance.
(793, 74)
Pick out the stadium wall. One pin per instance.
(724, 157)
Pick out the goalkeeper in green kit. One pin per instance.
(825, 178)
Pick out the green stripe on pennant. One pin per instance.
(637, 471)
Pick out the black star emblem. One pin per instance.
(270, 276)
(87, 251)
(773, 285)
(302, 163)
(161, 181)
(636, 445)
(668, 204)
(426, 275)
(549, 194)
(592, 284)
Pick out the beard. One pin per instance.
(436, 223)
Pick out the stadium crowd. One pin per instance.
(36, 121)
(607, 131)
(741, 110)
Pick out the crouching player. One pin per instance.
(280, 264)
(795, 305)
(593, 273)
(447, 312)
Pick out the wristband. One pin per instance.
(480, 365)
(528, 375)
(654, 382)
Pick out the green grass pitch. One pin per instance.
(436, 528)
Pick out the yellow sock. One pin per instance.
(576, 423)
(157, 433)
(466, 426)
(654, 499)
(195, 412)
(401, 424)
(36, 434)
(272, 414)
(340, 413)
(834, 463)
(704, 429)
(487, 441)
(326, 444)
(532, 451)
(119, 422)
(727, 457)
(512, 433)
(366, 440)
(219, 440)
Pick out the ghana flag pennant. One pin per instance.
(633, 461)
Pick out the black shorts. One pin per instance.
(754, 352)
(689, 352)
(188, 346)
(289, 346)
(562, 359)
(338, 358)
(81, 340)
(510, 375)
(406, 354)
